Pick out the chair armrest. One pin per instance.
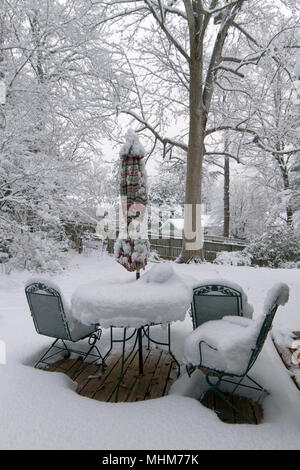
(190, 368)
(200, 351)
(95, 335)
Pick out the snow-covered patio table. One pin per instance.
(159, 297)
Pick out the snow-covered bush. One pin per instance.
(4, 257)
(154, 257)
(4, 251)
(274, 248)
(36, 252)
(290, 265)
(234, 258)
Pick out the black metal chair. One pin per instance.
(49, 317)
(211, 360)
(213, 302)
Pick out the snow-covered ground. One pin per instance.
(40, 410)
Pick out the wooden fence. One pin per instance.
(170, 248)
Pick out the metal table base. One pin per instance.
(137, 334)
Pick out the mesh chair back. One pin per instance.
(265, 328)
(213, 302)
(47, 311)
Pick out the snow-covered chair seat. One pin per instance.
(227, 348)
(52, 317)
(213, 299)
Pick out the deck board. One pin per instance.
(159, 372)
(285, 354)
(251, 411)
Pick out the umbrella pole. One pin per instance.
(138, 271)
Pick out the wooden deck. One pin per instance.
(286, 357)
(160, 371)
(252, 411)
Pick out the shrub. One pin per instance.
(36, 252)
(274, 248)
(233, 258)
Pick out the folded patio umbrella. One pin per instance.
(132, 247)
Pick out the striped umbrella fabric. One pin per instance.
(132, 251)
(133, 181)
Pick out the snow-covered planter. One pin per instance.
(233, 258)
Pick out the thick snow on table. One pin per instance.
(159, 296)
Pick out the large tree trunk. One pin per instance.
(193, 244)
(286, 185)
(200, 93)
(226, 227)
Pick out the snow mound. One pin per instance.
(132, 145)
(235, 258)
(159, 296)
(131, 253)
(228, 346)
(159, 274)
(278, 294)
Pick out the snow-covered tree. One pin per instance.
(53, 66)
(265, 131)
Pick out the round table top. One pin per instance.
(159, 296)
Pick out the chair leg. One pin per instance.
(45, 357)
(93, 338)
(259, 388)
(215, 388)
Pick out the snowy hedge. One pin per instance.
(275, 248)
(235, 258)
(36, 252)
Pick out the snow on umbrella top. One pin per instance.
(132, 250)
